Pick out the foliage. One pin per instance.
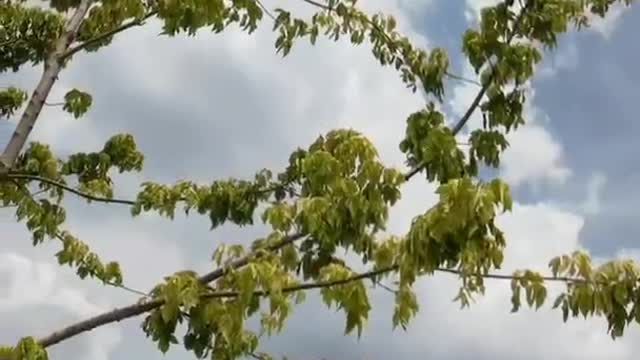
(10, 100)
(77, 102)
(333, 196)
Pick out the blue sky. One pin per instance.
(225, 105)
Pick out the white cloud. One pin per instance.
(564, 58)
(32, 284)
(534, 157)
(592, 202)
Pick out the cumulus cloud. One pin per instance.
(30, 286)
(592, 202)
(534, 156)
(564, 58)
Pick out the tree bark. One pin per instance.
(52, 67)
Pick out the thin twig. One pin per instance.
(463, 79)
(386, 287)
(129, 289)
(53, 104)
(318, 4)
(265, 10)
(91, 197)
(69, 189)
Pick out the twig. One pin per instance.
(53, 104)
(91, 197)
(386, 287)
(265, 10)
(318, 4)
(52, 67)
(129, 289)
(463, 79)
(69, 189)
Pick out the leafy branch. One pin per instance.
(133, 310)
(384, 34)
(70, 189)
(476, 101)
(132, 23)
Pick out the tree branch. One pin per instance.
(14, 176)
(69, 189)
(308, 286)
(52, 67)
(389, 39)
(136, 22)
(374, 273)
(476, 101)
(133, 310)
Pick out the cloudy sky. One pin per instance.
(225, 105)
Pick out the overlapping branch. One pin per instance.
(134, 310)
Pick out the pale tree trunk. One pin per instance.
(52, 67)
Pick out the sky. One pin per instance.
(221, 105)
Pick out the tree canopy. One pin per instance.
(333, 196)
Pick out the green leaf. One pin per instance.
(10, 100)
(77, 102)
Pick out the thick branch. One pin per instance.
(52, 68)
(100, 320)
